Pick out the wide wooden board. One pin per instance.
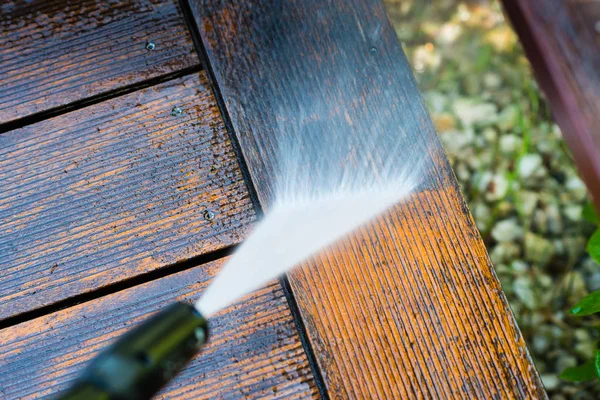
(53, 52)
(116, 190)
(408, 307)
(562, 41)
(253, 352)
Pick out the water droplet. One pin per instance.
(373, 50)
(209, 215)
(176, 111)
(575, 310)
(200, 336)
(150, 45)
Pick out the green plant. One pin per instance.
(588, 305)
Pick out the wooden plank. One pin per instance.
(53, 53)
(409, 307)
(562, 41)
(115, 190)
(254, 350)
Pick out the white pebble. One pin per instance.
(490, 135)
(540, 343)
(497, 187)
(519, 266)
(529, 164)
(462, 172)
(504, 252)
(509, 143)
(555, 224)
(576, 187)
(524, 291)
(582, 335)
(455, 141)
(492, 80)
(507, 230)
(550, 381)
(573, 212)
(508, 118)
(527, 201)
(471, 113)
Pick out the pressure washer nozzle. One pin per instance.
(140, 363)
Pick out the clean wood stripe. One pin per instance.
(54, 53)
(408, 307)
(254, 350)
(115, 190)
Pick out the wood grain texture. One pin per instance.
(53, 53)
(254, 350)
(562, 41)
(408, 307)
(115, 190)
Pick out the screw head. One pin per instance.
(150, 45)
(176, 111)
(209, 215)
(373, 50)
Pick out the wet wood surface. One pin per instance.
(116, 190)
(254, 351)
(562, 41)
(408, 307)
(55, 52)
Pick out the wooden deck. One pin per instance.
(105, 193)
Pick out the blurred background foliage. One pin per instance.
(515, 171)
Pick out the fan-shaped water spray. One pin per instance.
(325, 186)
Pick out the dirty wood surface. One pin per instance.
(254, 351)
(408, 307)
(116, 190)
(53, 53)
(562, 41)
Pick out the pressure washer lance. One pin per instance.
(140, 363)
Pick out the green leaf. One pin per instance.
(590, 214)
(593, 246)
(580, 373)
(597, 363)
(590, 304)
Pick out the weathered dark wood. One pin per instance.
(115, 190)
(254, 349)
(562, 41)
(408, 307)
(53, 52)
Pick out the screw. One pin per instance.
(373, 50)
(176, 111)
(209, 215)
(150, 45)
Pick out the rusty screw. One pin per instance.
(209, 215)
(176, 111)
